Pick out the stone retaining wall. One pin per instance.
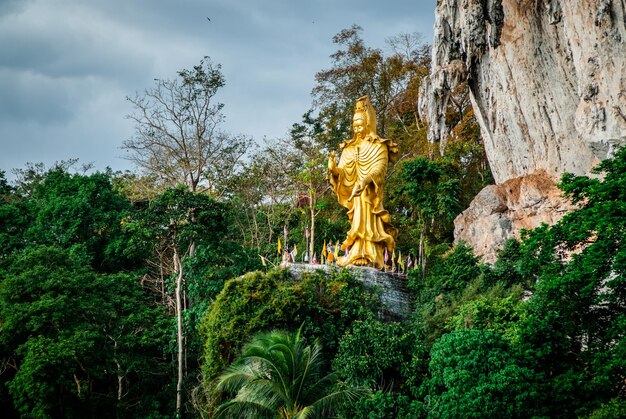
(394, 294)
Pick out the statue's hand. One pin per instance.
(332, 162)
(356, 191)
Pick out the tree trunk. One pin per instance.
(179, 330)
(312, 243)
(120, 377)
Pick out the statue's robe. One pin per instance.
(371, 232)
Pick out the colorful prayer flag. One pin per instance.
(280, 246)
(306, 232)
(324, 252)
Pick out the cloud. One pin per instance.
(66, 66)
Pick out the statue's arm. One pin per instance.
(332, 164)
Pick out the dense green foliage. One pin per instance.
(80, 339)
(323, 306)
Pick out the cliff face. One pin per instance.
(547, 82)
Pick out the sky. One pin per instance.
(67, 66)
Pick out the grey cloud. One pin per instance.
(10, 7)
(65, 66)
(70, 48)
(27, 96)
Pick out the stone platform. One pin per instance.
(394, 294)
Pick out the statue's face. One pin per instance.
(358, 125)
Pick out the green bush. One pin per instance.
(323, 305)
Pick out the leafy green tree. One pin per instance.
(172, 226)
(456, 295)
(391, 79)
(385, 405)
(324, 306)
(78, 343)
(574, 323)
(70, 209)
(375, 354)
(615, 408)
(475, 375)
(278, 375)
(14, 218)
(433, 188)
(491, 313)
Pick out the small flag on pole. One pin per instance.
(324, 251)
(314, 260)
(280, 246)
(386, 255)
(409, 262)
(263, 261)
(306, 232)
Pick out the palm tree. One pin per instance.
(277, 375)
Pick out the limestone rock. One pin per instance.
(547, 83)
(502, 211)
(547, 79)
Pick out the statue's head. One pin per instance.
(359, 126)
(364, 120)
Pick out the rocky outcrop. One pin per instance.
(547, 82)
(502, 211)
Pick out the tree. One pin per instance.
(78, 343)
(323, 305)
(374, 353)
(308, 171)
(171, 226)
(14, 218)
(70, 209)
(574, 325)
(177, 138)
(475, 374)
(391, 81)
(277, 374)
(433, 188)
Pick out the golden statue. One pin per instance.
(359, 181)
